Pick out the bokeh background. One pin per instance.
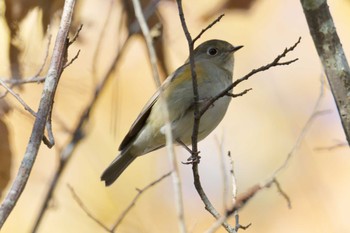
(259, 129)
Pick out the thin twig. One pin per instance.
(218, 223)
(76, 35)
(207, 28)
(55, 70)
(239, 94)
(275, 62)
(234, 189)
(332, 147)
(283, 193)
(220, 145)
(314, 114)
(20, 100)
(243, 198)
(72, 60)
(233, 178)
(35, 78)
(133, 202)
(46, 55)
(85, 209)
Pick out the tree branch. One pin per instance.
(138, 195)
(332, 56)
(275, 62)
(194, 156)
(85, 209)
(54, 72)
(20, 100)
(243, 198)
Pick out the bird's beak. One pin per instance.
(235, 48)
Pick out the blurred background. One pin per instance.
(259, 129)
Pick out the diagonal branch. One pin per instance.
(207, 28)
(20, 100)
(275, 62)
(51, 82)
(85, 209)
(138, 195)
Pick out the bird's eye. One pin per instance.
(212, 51)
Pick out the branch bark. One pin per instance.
(56, 67)
(332, 56)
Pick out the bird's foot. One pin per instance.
(194, 158)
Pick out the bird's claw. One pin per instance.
(194, 158)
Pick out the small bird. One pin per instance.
(214, 67)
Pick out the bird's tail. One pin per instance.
(116, 168)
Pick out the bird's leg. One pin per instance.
(193, 158)
(181, 143)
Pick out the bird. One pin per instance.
(214, 61)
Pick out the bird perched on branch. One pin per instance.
(214, 67)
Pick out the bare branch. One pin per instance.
(76, 35)
(72, 60)
(221, 155)
(46, 55)
(35, 78)
(138, 195)
(314, 114)
(55, 70)
(283, 193)
(332, 147)
(275, 62)
(195, 153)
(331, 53)
(85, 209)
(20, 100)
(207, 28)
(239, 94)
(243, 198)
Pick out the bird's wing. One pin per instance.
(143, 116)
(139, 122)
